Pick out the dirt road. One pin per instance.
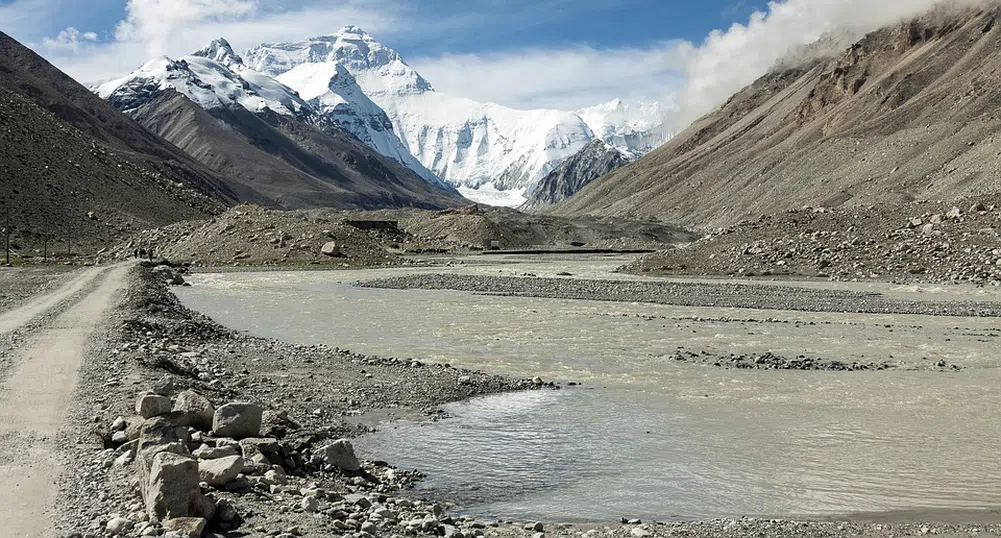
(36, 396)
(15, 319)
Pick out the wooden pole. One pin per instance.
(6, 230)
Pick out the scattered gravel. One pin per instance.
(719, 295)
(20, 283)
(921, 242)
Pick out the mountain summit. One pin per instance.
(490, 152)
(263, 135)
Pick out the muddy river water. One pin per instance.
(645, 436)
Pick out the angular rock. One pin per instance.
(168, 275)
(206, 452)
(262, 450)
(189, 527)
(166, 385)
(218, 472)
(238, 420)
(341, 454)
(172, 489)
(197, 408)
(149, 405)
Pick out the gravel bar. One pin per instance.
(691, 294)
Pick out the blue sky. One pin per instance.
(499, 24)
(689, 55)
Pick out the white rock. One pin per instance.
(149, 405)
(238, 420)
(217, 472)
(118, 526)
(341, 454)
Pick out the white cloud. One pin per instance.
(730, 60)
(155, 22)
(70, 40)
(177, 27)
(568, 78)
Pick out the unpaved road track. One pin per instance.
(14, 319)
(35, 399)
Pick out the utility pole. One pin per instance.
(45, 248)
(6, 232)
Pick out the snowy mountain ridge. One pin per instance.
(216, 77)
(492, 153)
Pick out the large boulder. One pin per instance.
(198, 410)
(169, 275)
(238, 420)
(171, 490)
(331, 249)
(341, 454)
(149, 405)
(219, 471)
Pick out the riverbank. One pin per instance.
(316, 393)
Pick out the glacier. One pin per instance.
(494, 154)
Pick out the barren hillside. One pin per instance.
(908, 113)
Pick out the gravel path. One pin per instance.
(34, 400)
(719, 295)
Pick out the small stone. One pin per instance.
(206, 452)
(165, 386)
(149, 405)
(118, 526)
(330, 249)
(197, 408)
(538, 527)
(310, 504)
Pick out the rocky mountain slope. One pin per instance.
(78, 173)
(908, 113)
(595, 160)
(488, 150)
(264, 137)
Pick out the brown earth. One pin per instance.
(255, 236)
(288, 163)
(75, 170)
(908, 113)
(918, 242)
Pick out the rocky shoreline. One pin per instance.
(310, 397)
(691, 294)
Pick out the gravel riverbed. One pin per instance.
(311, 394)
(719, 295)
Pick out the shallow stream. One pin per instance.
(646, 437)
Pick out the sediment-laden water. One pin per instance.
(645, 436)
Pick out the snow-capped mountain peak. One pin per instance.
(382, 67)
(222, 52)
(475, 146)
(633, 128)
(205, 81)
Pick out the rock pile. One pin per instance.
(188, 453)
(254, 236)
(914, 243)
